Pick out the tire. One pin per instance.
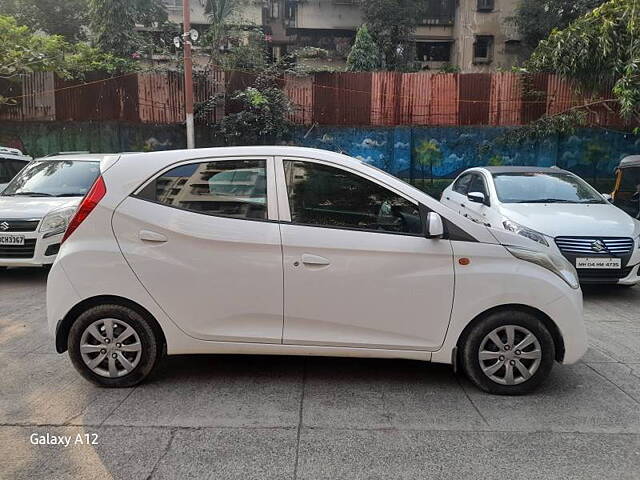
(535, 358)
(136, 356)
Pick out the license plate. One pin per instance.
(599, 263)
(11, 240)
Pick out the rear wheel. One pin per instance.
(113, 346)
(508, 353)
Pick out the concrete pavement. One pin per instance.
(240, 417)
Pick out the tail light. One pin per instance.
(88, 203)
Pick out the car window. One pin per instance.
(544, 187)
(461, 185)
(477, 185)
(233, 188)
(326, 196)
(54, 178)
(9, 169)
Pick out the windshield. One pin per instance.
(537, 187)
(54, 178)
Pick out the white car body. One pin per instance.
(22, 217)
(570, 229)
(216, 284)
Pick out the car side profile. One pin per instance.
(556, 209)
(296, 251)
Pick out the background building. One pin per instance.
(473, 35)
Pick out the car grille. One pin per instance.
(19, 251)
(17, 225)
(579, 246)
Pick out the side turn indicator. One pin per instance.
(464, 261)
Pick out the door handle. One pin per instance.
(308, 259)
(149, 236)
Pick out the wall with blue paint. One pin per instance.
(443, 152)
(413, 153)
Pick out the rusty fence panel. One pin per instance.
(299, 90)
(32, 98)
(505, 100)
(342, 98)
(474, 93)
(97, 98)
(386, 88)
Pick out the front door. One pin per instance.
(357, 270)
(201, 239)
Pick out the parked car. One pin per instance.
(336, 258)
(11, 162)
(558, 210)
(38, 203)
(626, 192)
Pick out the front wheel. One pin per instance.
(113, 346)
(508, 353)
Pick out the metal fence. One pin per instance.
(357, 99)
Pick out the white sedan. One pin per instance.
(294, 251)
(558, 210)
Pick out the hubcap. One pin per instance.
(510, 355)
(110, 347)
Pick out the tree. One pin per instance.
(429, 154)
(113, 23)
(364, 55)
(536, 19)
(392, 23)
(67, 18)
(601, 48)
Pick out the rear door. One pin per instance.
(203, 240)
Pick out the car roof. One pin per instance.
(630, 161)
(78, 157)
(10, 156)
(499, 170)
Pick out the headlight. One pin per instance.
(56, 222)
(557, 264)
(525, 232)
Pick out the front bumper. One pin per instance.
(43, 253)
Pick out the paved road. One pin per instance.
(311, 418)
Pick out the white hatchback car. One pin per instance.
(295, 251)
(558, 210)
(37, 205)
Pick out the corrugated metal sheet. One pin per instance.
(506, 99)
(474, 98)
(33, 95)
(299, 90)
(386, 88)
(342, 98)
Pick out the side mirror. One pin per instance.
(478, 197)
(434, 227)
(607, 197)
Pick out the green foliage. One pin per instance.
(428, 153)
(260, 118)
(536, 19)
(599, 49)
(113, 24)
(545, 127)
(55, 17)
(391, 24)
(364, 56)
(448, 68)
(595, 154)
(24, 52)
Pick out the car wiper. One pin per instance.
(547, 200)
(30, 194)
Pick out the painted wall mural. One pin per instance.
(443, 152)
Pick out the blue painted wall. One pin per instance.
(411, 152)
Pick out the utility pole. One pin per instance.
(188, 74)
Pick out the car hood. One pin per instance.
(33, 207)
(558, 219)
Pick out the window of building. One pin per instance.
(483, 49)
(461, 185)
(486, 5)
(433, 51)
(232, 188)
(173, 3)
(438, 12)
(325, 196)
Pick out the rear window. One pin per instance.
(54, 178)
